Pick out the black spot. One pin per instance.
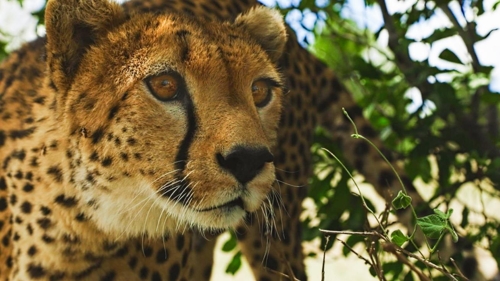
(19, 175)
(257, 244)
(94, 156)
(180, 242)
(207, 272)
(19, 134)
(53, 144)
(81, 217)
(45, 211)
(36, 271)
(110, 276)
(56, 173)
(26, 207)
(3, 184)
(34, 161)
(44, 223)
(124, 156)
(162, 256)
(29, 228)
(131, 141)
(9, 262)
(39, 100)
(174, 272)
(184, 259)
(147, 251)
(6, 163)
(32, 251)
(86, 272)
(19, 154)
(57, 276)
(28, 187)
(6, 239)
(156, 276)
(13, 199)
(143, 273)
(47, 239)
(3, 204)
(272, 263)
(121, 252)
(106, 161)
(109, 246)
(90, 178)
(97, 135)
(132, 263)
(66, 201)
(2, 138)
(113, 111)
(294, 139)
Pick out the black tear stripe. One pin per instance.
(181, 159)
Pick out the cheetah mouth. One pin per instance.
(238, 202)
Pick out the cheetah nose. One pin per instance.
(244, 163)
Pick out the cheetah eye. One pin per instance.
(164, 86)
(262, 92)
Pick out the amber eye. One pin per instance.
(261, 92)
(164, 86)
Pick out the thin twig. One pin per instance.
(354, 252)
(280, 273)
(468, 40)
(403, 259)
(460, 274)
(324, 257)
(396, 248)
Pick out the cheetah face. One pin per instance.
(171, 119)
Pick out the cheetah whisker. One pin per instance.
(289, 184)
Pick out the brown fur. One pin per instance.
(97, 170)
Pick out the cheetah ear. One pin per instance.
(72, 27)
(266, 26)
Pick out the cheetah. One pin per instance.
(121, 132)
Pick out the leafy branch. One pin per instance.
(434, 226)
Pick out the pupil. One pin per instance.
(165, 83)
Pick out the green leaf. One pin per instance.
(398, 237)
(402, 201)
(432, 225)
(235, 264)
(394, 268)
(230, 244)
(409, 276)
(440, 214)
(450, 56)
